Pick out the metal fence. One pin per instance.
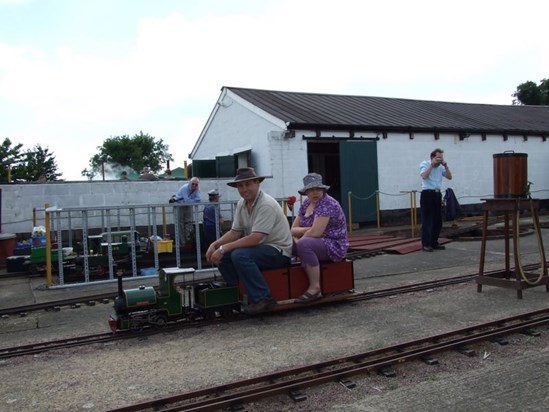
(134, 226)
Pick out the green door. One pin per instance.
(358, 174)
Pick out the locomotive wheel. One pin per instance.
(136, 326)
(159, 321)
(209, 314)
(227, 314)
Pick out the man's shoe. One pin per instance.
(259, 307)
(439, 247)
(427, 249)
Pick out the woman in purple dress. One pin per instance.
(319, 232)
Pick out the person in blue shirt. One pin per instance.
(188, 193)
(432, 173)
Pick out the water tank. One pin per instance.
(510, 175)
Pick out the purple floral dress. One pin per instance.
(335, 236)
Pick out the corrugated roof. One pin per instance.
(328, 111)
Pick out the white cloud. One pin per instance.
(166, 81)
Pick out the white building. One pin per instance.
(367, 145)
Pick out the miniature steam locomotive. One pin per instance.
(146, 306)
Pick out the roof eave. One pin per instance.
(408, 129)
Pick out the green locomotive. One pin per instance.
(146, 306)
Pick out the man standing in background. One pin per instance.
(432, 173)
(187, 194)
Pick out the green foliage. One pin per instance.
(544, 92)
(38, 164)
(28, 166)
(136, 152)
(529, 93)
(10, 157)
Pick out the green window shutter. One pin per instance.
(204, 168)
(226, 166)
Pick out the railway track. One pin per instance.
(39, 347)
(107, 297)
(58, 304)
(293, 381)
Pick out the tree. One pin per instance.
(529, 93)
(135, 152)
(544, 92)
(38, 164)
(10, 157)
(29, 166)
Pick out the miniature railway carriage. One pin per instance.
(146, 306)
(292, 282)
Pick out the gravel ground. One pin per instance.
(100, 377)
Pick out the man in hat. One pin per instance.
(212, 219)
(259, 239)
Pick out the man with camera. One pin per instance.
(432, 173)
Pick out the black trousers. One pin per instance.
(430, 203)
(210, 235)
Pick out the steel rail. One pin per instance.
(39, 347)
(102, 297)
(58, 303)
(217, 397)
(86, 299)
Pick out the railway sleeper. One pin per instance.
(429, 360)
(347, 383)
(237, 407)
(297, 395)
(467, 351)
(531, 332)
(500, 341)
(388, 372)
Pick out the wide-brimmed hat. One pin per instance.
(243, 174)
(311, 181)
(213, 193)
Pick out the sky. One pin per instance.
(74, 73)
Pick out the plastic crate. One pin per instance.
(165, 246)
(17, 263)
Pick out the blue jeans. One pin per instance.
(247, 263)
